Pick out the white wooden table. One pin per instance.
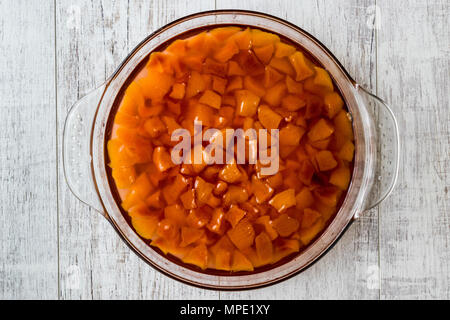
(52, 52)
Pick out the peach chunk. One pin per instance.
(325, 160)
(242, 235)
(283, 200)
(340, 177)
(264, 247)
(211, 99)
(268, 118)
(285, 225)
(301, 65)
(162, 159)
(240, 262)
(321, 130)
(197, 256)
(247, 103)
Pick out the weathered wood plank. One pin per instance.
(349, 269)
(92, 39)
(28, 200)
(413, 70)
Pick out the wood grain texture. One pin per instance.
(53, 52)
(93, 37)
(413, 69)
(344, 272)
(28, 198)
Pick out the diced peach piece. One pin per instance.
(333, 103)
(162, 159)
(190, 235)
(154, 126)
(275, 94)
(309, 218)
(247, 103)
(140, 189)
(328, 195)
(321, 144)
(172, 191)
(271, 76)
(304, 199)
(224, 33)
(203, 190)
(262, 38)
(306, 172)
(234, 69)
(197, 256)
(195, 85)
(347, 151)
(283, 200)
(168, 230)
(188, 199)
(234, 195)
(211, 99)
(283, 50)
(155, 200)
(264, 247)
(215, 68)
(145, 226)
(124, 177)
(321, 130)
(198, 218)
(264, 53)
(220, 188)
(234, 215)
(301, 65)
(285, 225)
(223, 260)
(293, 86)
(235, 83)
(219, 84)
(268, 226)
(250, 63)
(230, 173)
(171, 124)
(156, 84)
(178, 91)
(293, 102)
(262, 190)
(254, 86)
(242, 235)
(325, 160)
(282, 65)
(216, 224)
(343, 124)
(291, 135)
(226, 52)
(243, 39)
(240, 262)
(175, 213)
(322, 79)
(285, 248)
(126, 120)
(340, 177)
(268, 118)
(308, 234)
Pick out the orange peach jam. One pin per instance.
(231, 217)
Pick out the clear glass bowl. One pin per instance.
(86, 134)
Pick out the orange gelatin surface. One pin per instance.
(231, 217)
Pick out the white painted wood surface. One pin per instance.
(53, 52)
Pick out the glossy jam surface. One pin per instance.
(230, 216)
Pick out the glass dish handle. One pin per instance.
(76, 149)
(388, 149)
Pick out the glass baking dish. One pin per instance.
(86, 134)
